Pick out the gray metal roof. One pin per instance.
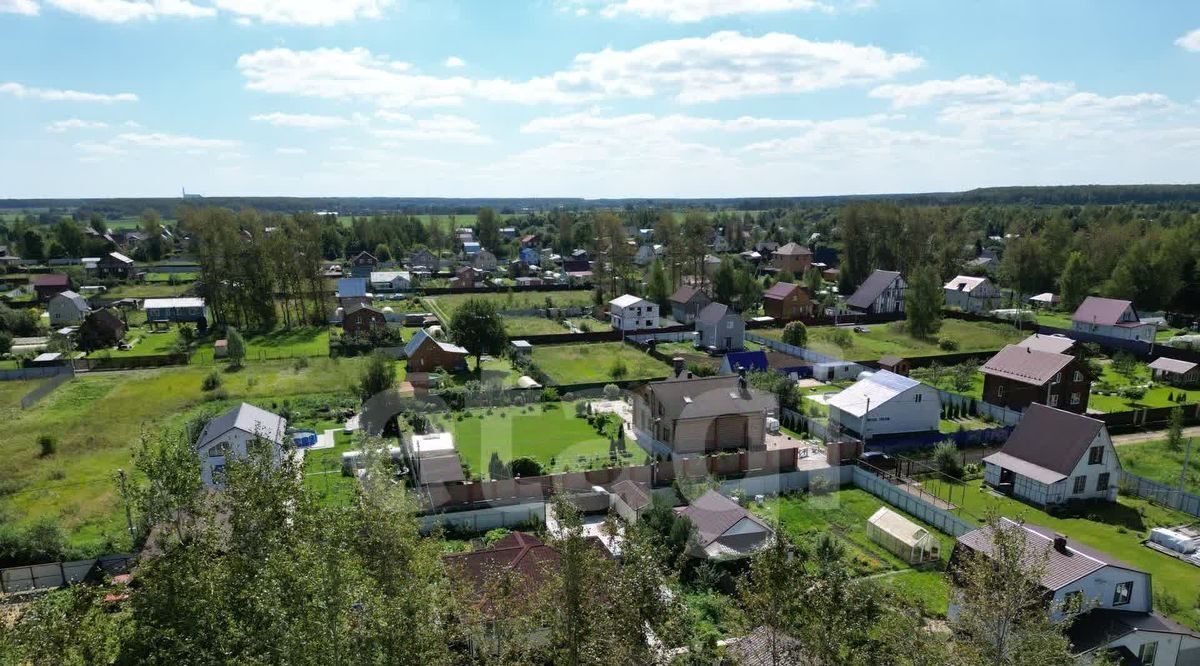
(249, 419)
(713, 514)
(712, 313)
(871, 288)
(1166, 365)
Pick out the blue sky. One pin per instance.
(592, 98)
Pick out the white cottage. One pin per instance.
(884, 403)
(632, 313)
(230, 434)
(1111, 318)
(1053, 456)
(972, 294)
(67, 308)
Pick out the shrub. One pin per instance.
(820, 485)
(47, 445)
(948, 344)
(581, 409)
(842, 338)
(795, 333)
(549, 394)
(612, 391)
(300, 363)
(525, 466)
(618, 369)
(945, 456)
(211, 381)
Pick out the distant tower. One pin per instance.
(183, 192)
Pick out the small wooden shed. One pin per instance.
(902, 537)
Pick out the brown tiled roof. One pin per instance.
(1062, 567)
(522, 552)
(685, 294)
(1051, 438)
(1026, 365)
(780, 290)
(1097, 310)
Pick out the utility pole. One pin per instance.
(1187, 456)
(128, 514)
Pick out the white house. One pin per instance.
(972, 294)
(1053, 456)
(1111, 318)
(881, 292)
(67, 307)
(228, 436)
(724, 530)
(391, 281)
(884, 403)
(631, 313)
(1119, 618)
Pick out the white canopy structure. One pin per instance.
(902, 537)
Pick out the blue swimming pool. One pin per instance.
(304, 438)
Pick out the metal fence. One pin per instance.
(910, 503)
(42, 390)
(34, 372)
(1160, 493)
(58, 574)
(1009, 417)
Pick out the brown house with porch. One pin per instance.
(788, 301)
(1017, 377)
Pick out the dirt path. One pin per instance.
(1134, 438)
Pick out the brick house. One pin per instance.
(685, 414)
(794, 258)
(362, 319)
(1017, 377)
(788, 301)
(428, 355)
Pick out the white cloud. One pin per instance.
(25, 7)
(303, 120)
(643, 124)
(121, 11)
(21, 91)
(60, 126)
(454, 62)
(443, 128)
(305, 12)
(1190, 41)
(99, 149)
(689, 11)
(721, 66)
(967, 87)
(291, 151)
(172, 141)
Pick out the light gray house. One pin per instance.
(66, 308)
(972, 294)
(719, 327)
(390, 281)
(231, 434)
(686, 303)
(885, 403)
(1113, 318)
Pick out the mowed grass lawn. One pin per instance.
(518, 326)
(147, 290)
(1156, 461)
(282, 343)
(1160, 395)
(844, 513)
(882, 339)
(582, 364)
(97, 419)
(1117, 529)
(554, 437)
(517, 300)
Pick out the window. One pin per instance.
(1057, 378)
(1078, 376)
(1080, 485)
(1096, 455)
(1102, 482)
(918, 398)
(1054, 401)
(1074, 398)
(1000, 391)
(1123, 593)
(1147, 653)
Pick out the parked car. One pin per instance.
(861, 329)
(878, 460)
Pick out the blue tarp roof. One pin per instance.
(352, 287)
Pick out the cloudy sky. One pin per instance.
(593, 98)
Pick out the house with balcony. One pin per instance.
(1017, 377)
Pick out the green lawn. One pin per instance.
(580, 364)
(144, 342)
(1055, 319)
(1116, 529)
(147, 290)
(1156, 461)
(556, 438)
(844, 513)
(519, 326)
(157, 278)
(97, 419)
(1110, 381)
(882, 339)
(496, 371)
(524, 300)
(323, 468)
(948, 426)
(282, 343)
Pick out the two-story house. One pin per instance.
(632, 313)
(788, 301)
(184, 310)
(685, 414)
(1112, 318)
(882, 292)
(1017, 377)
(686, 303)
(719, 327)
(362, 264)
(1112, 602)
(1053, 456)
(794, 258)
(115, 265)
(972, 294)
(231, 435)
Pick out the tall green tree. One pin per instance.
(657, 290)
(772, 595)
(489, 228)
(1075, 281)
(235, 347)
(923, 302)
(477, 327)
(377, 376)
(725, 282)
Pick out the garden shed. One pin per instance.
(902, 537)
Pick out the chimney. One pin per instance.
(677, 363)
(1060, 543)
